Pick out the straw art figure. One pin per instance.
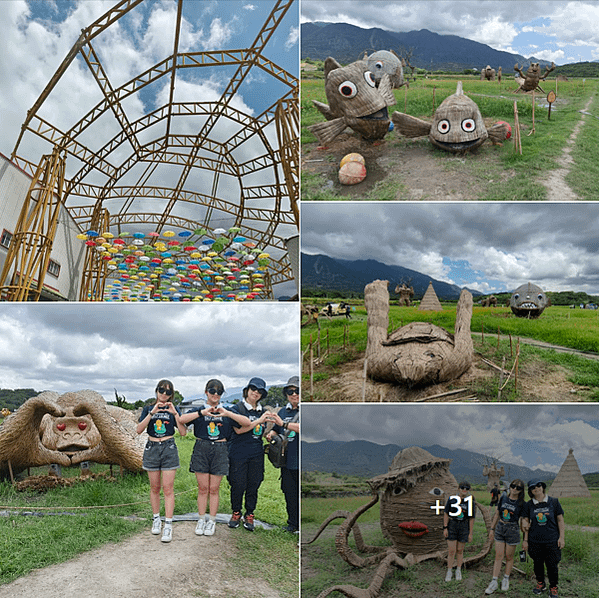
(384, 62)
(493, 474)
(405, 294)
(528, 301)
(530, 80)
(415, 483)
(419, 353)
(457, 126)
(490, 301)
(355, 101)
(67, 430)
(487, 73)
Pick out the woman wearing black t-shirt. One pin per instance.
(212, 427)
(161, 457)
(506, 532)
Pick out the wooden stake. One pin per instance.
(311, 369)
(12, 477)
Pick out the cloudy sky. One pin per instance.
(550, 30)
(528, 435)
(65, 347)
(490, 247)
(37, 35)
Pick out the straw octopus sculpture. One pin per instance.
(419, 353)
(67, 430)
(415, 483)
(355, 101)
(457, 125)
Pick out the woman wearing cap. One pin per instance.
(161, 457)
(246, 453)
(212, 426)
(458, 528)
(510, 509)
(287, 422)
(544, 535)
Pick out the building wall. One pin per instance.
(67, 251)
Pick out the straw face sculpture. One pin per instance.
(419, 353)
(415, 483)
(69, 429)
(528, 301)
(355, 101)
(457, 126)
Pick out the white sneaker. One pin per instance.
(448, 575)
(505, 584)
(200, 527)
(458, 574)
(167, 534)
(156, 526)
(210, 526)
(492, 587)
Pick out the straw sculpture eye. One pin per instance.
(443, 126)
(468, 125)
(379, 65)
(369, 78)
(348, 89)
(436, 491)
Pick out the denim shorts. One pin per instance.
(458, 530)
(161, 456)
(508, 533)
(210, 457)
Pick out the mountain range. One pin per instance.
(367, 459)
(332, 274)
(347, 43)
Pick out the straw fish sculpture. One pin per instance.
(457, 126)
(355, 101)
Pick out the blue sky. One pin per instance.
(561, 31)
(36, 36)
(535, 436)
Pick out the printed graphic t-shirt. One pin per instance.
(162, 424)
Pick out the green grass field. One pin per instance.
(496, 102)
(323, 567)
(33, 542)
(575, 329)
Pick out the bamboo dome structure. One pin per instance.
(569, 480)
(197, 141)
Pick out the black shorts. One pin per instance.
(210, 457)
(458, 530)
(161, 456)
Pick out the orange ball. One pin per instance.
(352, 173)
(352, 158)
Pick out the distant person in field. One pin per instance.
(458, 528)
(544, 535)
(494, 495)
(505, 528)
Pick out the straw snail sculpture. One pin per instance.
(355, 101)
(69, 429)
(457, 126)
(419, 353)
(415, 481)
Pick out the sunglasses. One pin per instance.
(254, 388)
(213, 391)
(516, 487)
(464, 487)
(291, 391)
(539, 485)
(165, 391)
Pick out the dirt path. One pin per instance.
(557, 188)
(144, 567)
